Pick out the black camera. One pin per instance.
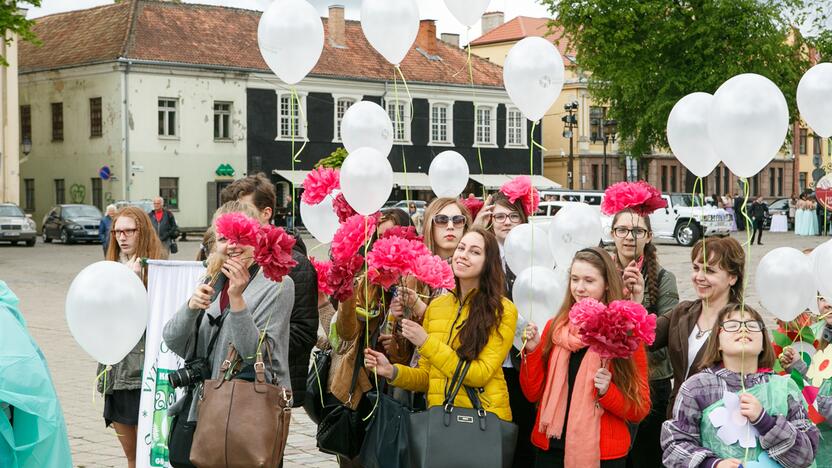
(194, 372)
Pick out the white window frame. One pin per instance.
(336, 121)
(492, 143)
(524, 128)
(301, 130)
(406, 119)
(449, 123)
(227, 115)
(176, 117)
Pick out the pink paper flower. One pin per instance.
(318, 184)
(353, 233)
(408, 233)
(390, 259)
(473, 204)
(520, 188)
(274, 252)
(341, 279)
(640, 197)
(615, 331)
(433, 271)
(322, 269)
(238, 228)
(342, 208)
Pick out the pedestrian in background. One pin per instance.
(104, 227)
(165, 225)
(758, 212)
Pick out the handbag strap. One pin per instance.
(456, 384)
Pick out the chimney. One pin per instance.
(426, 40)
(335, 25)
(491, 20)
(450, 38)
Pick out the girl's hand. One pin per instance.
(237, 275)
(602, 380)
(750, 407)
(410, 299)
(729, 463)
(135, 265)
(414, 332)
(397, 308)
(787, 357)
(483, 218)
(201, 298)
(391, 346)
(376, 361)
(634, 282)
(532, 336)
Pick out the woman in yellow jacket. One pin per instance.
(474, 323)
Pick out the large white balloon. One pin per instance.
(526, 246)
(366, 180)
(814, 98)
(367, 125)
(747, 123)
(784, 282)
(687, 133)
(533, 76)
(320, 220)
(106, 310)
(291, 38)
(448, 174)
(823, 270)
(576, 226)
(538, 293)
(390, 26)
(467, 12)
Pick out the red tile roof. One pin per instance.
(192, 34)
(522, 27)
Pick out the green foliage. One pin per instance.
(644, 55)
(13, 22)
(334, 160)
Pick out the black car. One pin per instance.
(72, 223)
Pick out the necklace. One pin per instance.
(700, 333)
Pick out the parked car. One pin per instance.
(146, 205)
(779, 206)
(15, 226)
(71, 223)
(403, 204)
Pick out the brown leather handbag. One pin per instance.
(241, 424)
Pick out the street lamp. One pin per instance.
(607, 133)
(570, 122)
(27, 146)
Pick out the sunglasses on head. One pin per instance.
(443, 220)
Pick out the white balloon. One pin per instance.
(784, 282)
(366, 180)
(687, 133)
(538, 293)
(467, 12)
(533, 76)
(747, 123)
(814, 98)
(291, 38)
(106, 310)
(448, 174)
(576, 226)
(823, 270)
(390, 26)
(526, 246)
(320, 220)
(367, 125)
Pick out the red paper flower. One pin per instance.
(342, 208)
(473, 204)
(389, 260)
(615, 331)
(341, 279)
(274, 252)
(640, 197)
(322, 269)
(520, 188)
(403, 232)
(433, 271)
(353, 233)
(238, 228)
(318, 184)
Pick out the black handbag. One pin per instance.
(443, 435)
(316, 384)
(341, 430)
(181, 437)
(385, 443)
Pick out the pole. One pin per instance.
(571, 161)
(605, 163)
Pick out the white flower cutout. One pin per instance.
(821, 367)
(732, 425)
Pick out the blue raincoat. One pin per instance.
(39, 437)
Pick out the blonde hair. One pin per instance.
(432, 210)
(148, 244)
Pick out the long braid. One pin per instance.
(651, 263)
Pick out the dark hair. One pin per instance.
(713, 356)
(486, 304)
(651, 261)
(258, 184)
(397, 215)
(501, 199)
(728, 254)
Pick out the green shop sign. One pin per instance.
(225, 170)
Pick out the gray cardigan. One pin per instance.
(268, 307)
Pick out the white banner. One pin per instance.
(169, 285)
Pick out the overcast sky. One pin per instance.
(429, 9)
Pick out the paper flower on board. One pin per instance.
(640, 197)
(435, 272)
(318, 184)
(733, 426)
(520, 188)
(405, 232)
(473, 204)
(238, 228)
(353, 233)
(614, 331)
(274, 252)
(342, 208)
(821, 367)
(322, 269)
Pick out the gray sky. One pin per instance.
(429, 9)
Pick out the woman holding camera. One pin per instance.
(248, 306)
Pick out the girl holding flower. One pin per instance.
(736, 410)
(569, 382)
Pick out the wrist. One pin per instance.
(237, 304)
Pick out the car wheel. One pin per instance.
(30, 243)
(46, 239)
(687, 233)
(65, 239)
(14, 242)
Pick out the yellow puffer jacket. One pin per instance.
(438, 358)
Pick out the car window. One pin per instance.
(10, 211)
(576, 198)
(684, 201)
(85, 211)
(592, 199)
(57, 212)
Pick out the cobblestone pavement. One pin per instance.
(41, 275)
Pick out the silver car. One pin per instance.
(15, 226)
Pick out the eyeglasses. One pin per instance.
(501, 217)
(443, 220)
(125, 232)
(733, 326)
(623, 233)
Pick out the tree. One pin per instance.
(12, 22)
(644, 55)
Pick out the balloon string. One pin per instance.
(744, 211)
(399, 121)
(367, 306)
(474, 101)
(266, 327)
(292, 101)
(318, 379)
(97, 378)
